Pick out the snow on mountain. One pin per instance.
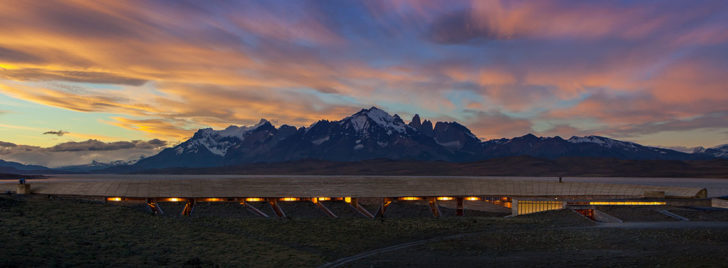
(720, 151)
(374, 134)
(321, 140)
(361, 121)
(606, 142)
(218, 142)
(97, 165)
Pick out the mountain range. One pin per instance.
(15, 167)
(370, 134)
(375, 134)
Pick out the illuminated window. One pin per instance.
(472, 198)
(409, 198)
(290, 199)
(445, 198)
(323, 198)
(530, 206)
(626, 203)
(254, 199)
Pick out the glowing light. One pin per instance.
(347, 199)
(472, 198)
(626, 203)
(254, 199)
(174, 199)
(444, 198)
(409, 198)
(319, 199)
(290, 199)
(533, 206)
(212, 199)
(113, 199)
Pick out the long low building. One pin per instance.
(522, 195)
(199, 186)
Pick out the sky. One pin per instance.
(147, 74)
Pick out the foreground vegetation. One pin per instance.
(42, 232)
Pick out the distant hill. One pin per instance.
(11, 176)
(14, 168)
(95, 166)
(374, 134)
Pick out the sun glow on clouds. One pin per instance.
(533, 66)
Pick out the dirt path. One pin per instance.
(664, 225)
(343, 261)
(636, 225)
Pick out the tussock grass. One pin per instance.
(37, 231)
(41, 232)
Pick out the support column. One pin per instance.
(434, 207)
(364, 212)
(460, 208)
(188, 207)
(254, 209)
(276, 208)
(383, 207)
(154, 207)
(323, 208)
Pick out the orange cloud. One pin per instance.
(183, 66)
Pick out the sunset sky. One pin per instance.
(653, 72)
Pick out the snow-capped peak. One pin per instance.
(360, 121)
(694, 150)
(219, 141)
(238, 131)
(606, 142)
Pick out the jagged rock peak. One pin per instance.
(372, 110)
(427, 128)
(415, 123)
(397, 118)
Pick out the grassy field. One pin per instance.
(568, 248)
(38, 231)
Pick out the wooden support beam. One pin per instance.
(363, 211)
(276, 208)
(189, 205)
(154, 207)
(434, 207)
(254, 209)
(460, 208)
(383, 207)
(323, 208)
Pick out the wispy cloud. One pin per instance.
(58, 133)
(177, 67)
